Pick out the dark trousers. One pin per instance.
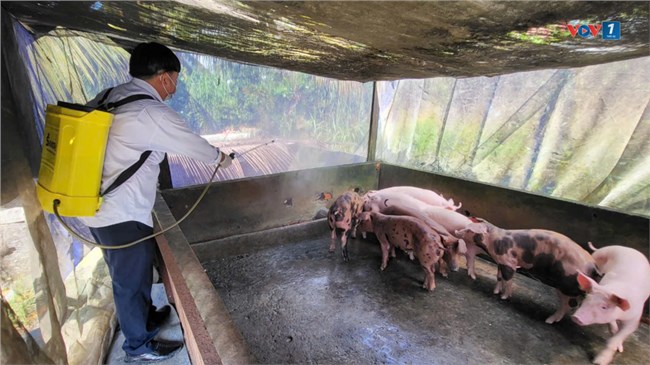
(131, 270)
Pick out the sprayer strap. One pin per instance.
(103, 99)
(129, 99)
(126, 174)
(108, 107)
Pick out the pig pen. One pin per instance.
(263, 288)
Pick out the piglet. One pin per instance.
(620, 295)
(427, 214)
(411, 235)
(342, 216)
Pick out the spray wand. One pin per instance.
(205, 190)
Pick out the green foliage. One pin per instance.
(425, 140)
(216, 96)
(23, 302)
(550, 33)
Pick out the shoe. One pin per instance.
(158, 317)
(160, 350)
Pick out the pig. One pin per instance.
(424, 195)
(343, 216)
(451, 221)
(620, 295)
(549, 256)
(453, 245)
(454, 221)
(411, 235)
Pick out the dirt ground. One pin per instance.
(297, 303)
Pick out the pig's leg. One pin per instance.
(498, 287)
(442, 268)
(354, 228)
(470, 256)
(507, 273)
(613, 328)
(562, 310)
(344, 245)
(333, 242)
(429, 276)
(385, 247)
(392, 251)
(616, 342)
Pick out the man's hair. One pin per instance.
(148, 59)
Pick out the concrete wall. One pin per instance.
(258, 204)
(513, 209)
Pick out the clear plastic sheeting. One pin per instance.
(577, 134)
(58, 296)
(67, 66)
(234, 106)
(59, 307)
(90, 327)
(314, 121)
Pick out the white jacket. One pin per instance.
(137, 127)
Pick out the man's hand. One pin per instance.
(226, 160)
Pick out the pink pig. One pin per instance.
(423, 195)
(620, 295)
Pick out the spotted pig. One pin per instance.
(453, 245)
(408, 233)
(549, 256)
(342, 216)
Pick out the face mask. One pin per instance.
(169, 95)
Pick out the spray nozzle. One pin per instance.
(232, 154)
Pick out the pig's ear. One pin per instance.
(477, 227)
(369, 206)
(586, 283)
(620, 302)
(462, 247)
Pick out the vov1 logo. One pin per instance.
(609, 30)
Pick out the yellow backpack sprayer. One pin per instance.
(74, 145)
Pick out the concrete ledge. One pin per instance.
(210, 333)
(251, 242)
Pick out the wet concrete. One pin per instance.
(297, 303)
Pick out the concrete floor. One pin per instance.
(296, 303)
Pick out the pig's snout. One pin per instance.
(577, 320)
